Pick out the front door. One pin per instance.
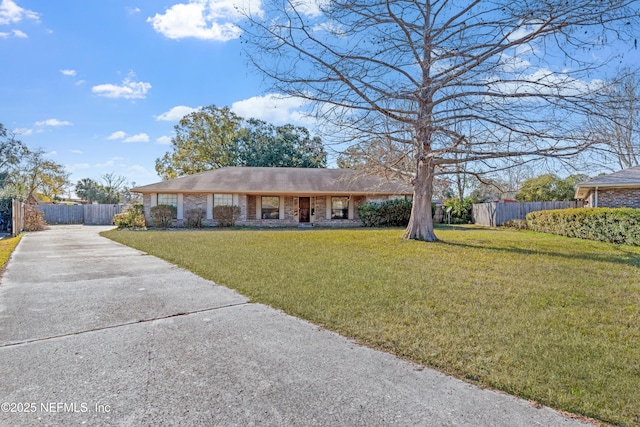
(304, 209)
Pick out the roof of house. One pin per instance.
(300, 181)
(622, 179)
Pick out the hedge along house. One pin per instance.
(273, 196)
(616, 190)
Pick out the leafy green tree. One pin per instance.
(263, 144)
(215, 137)
(12, 152)
(87, 189)
(549, 187)
(204, 140)
(111, 190)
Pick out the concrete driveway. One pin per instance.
(96, 333)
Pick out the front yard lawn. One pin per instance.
(547, 318)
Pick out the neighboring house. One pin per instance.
(273, 196)
(616, 190)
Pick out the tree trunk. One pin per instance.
(421, 221)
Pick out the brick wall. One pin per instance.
(619, 197)
(247, 204)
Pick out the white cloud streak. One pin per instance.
(140, 137)
(54, 123)
(204, 19)
(129, 89)
(271, 108)
(176, 113)
(11, 13)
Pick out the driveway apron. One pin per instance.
(95, 333)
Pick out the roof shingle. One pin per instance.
(259, 180)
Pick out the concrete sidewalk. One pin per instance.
(96, 333)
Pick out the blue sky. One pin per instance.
(99, 85)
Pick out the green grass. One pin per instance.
(7, 245)
(547, 318)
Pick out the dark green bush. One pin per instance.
(461, 212)
(614, 225)
(391, 213)
(162, 215)
(193, 218)
(132, 216)
(226, 215)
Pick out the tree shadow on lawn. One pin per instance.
(623, 257)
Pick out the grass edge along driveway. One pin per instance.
(546, 318)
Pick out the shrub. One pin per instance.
(33, 218)
(461, 212)
(132, 216)
(517, 224)
(391, 213)
(193, 218)
(162, 215)
(614, 225)
(226, 215)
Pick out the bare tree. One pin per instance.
(614, 124)
(469, 81)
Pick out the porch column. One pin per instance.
(209, 206)
(328, 207)
(281, 205)
(180, 214)
(351, 208)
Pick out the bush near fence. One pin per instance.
(613, 225)
(391, 213)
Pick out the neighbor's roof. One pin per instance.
(255, 180)
(621, 179)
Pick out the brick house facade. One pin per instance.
(273, 197)
(617, 190)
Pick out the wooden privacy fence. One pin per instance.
(494, 214)
(80, 214)
(17, 217)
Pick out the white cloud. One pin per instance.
(53, 123)
(14, 33)
(271, 108)
(117, 135)
(23, 131)
(68, 72)
(141, 137)
(163, 140)
(203, 19)
(129, 89)
(76, 151)
(177, 113)
(11, 13)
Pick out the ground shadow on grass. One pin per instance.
(622, 257)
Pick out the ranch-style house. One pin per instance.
(273, 197)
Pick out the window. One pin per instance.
(270, 207)
(168, 199)
(339, 208)
(222, 200)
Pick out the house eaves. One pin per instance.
(284, 181)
